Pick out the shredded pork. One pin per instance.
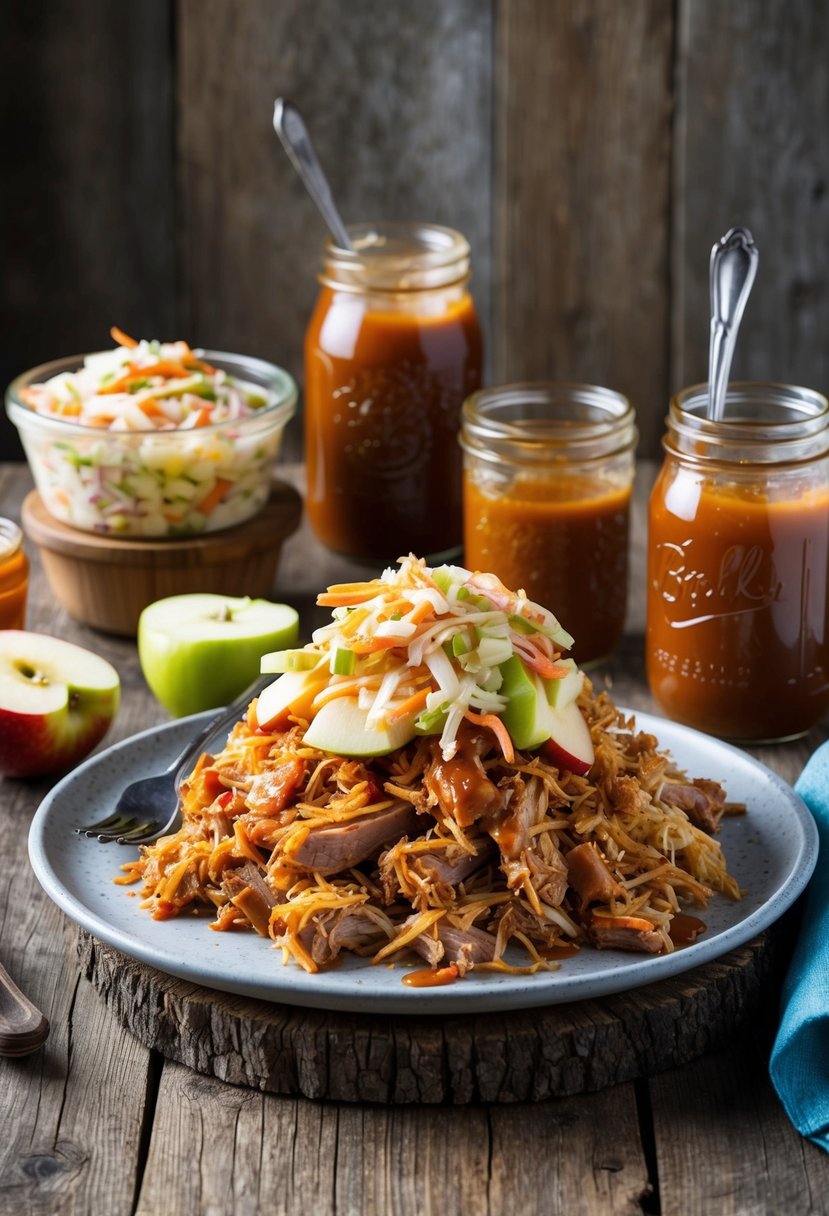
(471, 861)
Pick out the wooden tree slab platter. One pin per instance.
(522, 1056)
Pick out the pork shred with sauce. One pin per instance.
(467, 862)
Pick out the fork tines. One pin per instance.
(121, 828)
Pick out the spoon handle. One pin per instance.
(22, 1026)
(732, 268)
(290, 127)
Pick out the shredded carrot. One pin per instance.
(416, 701)
(375, 644)
(345, 596)
(421, 611)
(121, 338)
(498, 729)
(212, 499)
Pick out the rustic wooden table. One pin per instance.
(95, 1122)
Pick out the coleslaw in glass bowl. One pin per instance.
(152, 439)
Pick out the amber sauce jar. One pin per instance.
(738, 564)
(392, 349)
(548, 475)
(14, 576)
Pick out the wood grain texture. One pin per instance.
(87, 208)
(795, 1177)
(752, 148)
(583, 99)
(592, 1167)
(71, 1115)
(397, 100)
(527, 1056)
(324, 1157)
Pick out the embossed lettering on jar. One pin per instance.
(738, 564)
(392, 349)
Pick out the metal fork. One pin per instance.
(149, 807)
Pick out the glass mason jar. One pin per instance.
(393, 347)
(738, 563)
(548, 475)
(14, 576)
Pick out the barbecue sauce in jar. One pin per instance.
(738, 564)
(548, 474)
(392, 350)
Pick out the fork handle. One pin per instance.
(225, 717)
(22, 1026)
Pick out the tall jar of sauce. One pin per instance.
(392, 349)
(14, 576)
(738, 564)
(548, 475)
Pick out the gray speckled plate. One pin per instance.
(771, 852)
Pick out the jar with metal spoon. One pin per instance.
(737, 640)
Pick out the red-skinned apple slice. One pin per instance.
(57, 701)
(570, 745)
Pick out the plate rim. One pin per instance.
(476, 993)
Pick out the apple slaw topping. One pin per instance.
(431, 648)
(150, 440)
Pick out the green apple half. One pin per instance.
(57, 701)
(201, 650)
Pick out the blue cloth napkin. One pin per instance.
(800, 1056)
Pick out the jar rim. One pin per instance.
(763, 420)
(397, 255)
(545, 420)
(11, 537)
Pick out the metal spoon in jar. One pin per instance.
(291, 129)
(732, 268)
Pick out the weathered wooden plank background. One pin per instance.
(592, 150)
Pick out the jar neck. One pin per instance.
(397, 257)
(537, 424)
(762, 423)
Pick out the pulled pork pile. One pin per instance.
(454, 860)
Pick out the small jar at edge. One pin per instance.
(548, 474)
(738, 564)
(392, 349)
(14, 576)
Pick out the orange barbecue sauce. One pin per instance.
(14, 579)
(430, 978)
(738, 640)
(383, 394)
(685, 929)
(563, 539)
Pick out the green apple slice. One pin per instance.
(527, 716)
(562, 691)
(279, 661)
(201, 650)
(341, 727)
(570, 745)
(291, 694)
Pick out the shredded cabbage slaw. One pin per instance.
(428, 645)
(154, 448)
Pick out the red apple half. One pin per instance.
(570, 745)
(57, 701)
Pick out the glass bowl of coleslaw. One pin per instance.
(152, 439)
